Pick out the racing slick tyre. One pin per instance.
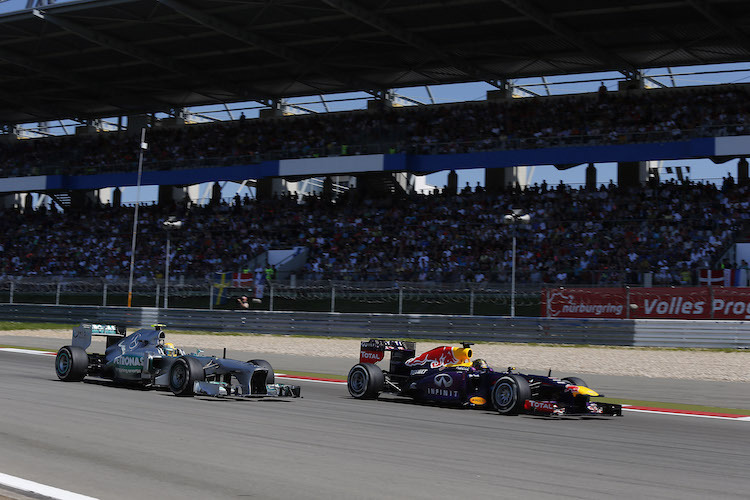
(575, 381)
(509, 394)
(365, 381)
(185, 371)
(71, 363)
(270, 378)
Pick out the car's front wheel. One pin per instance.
(509, 394)
(365, 381)
(575, 381)
(183, 374)
(270, 378)
(71, 363)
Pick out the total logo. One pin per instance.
(543, 406)
(443, 380)
(370, 356)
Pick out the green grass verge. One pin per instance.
(20, 325)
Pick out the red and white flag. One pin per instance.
(240, 280)
(711, 277)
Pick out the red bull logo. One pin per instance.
(434, 358)
(371, 356)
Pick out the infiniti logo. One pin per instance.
(443, 380)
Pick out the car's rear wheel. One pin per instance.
(365, 381)
(183, 374)
(509, 394)
(71, 363)
(271, 377)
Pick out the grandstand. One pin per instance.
(145, 64)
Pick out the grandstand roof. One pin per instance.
(100, 58)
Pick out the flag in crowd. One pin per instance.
(723, 277)
(222, 281)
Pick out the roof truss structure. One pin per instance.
(103, 58)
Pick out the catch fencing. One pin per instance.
(614, 332)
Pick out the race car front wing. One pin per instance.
(554, 408)
(222, 389)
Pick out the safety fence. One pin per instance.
(314, 296)
(614, 332)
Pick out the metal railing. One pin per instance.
(455, 328)
(400, 298)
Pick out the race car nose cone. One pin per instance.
(579, 390)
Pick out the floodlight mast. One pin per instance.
(169, 225)
(143, 146)
(513, 219)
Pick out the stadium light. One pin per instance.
(169, 225)
(143, 147)
(514, 219)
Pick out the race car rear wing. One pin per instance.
(373, 350)
(82, 334)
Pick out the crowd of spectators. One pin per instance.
(606, 235)
(653, 115)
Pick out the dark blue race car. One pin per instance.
(449, 375)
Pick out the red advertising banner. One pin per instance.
(647, 303)
(583, 302)
(670, 303)
(731, 303)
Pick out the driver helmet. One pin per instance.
(169, 349)
(480, 364)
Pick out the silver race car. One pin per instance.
(144, 358)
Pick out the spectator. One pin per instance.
(242, 303)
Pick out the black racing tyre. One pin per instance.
(509, 394)
(575, 381)
(365, 381)
(71, 363)
(183, 374)
(271, 377)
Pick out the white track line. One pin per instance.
(685, 414)
(27, 351)
(27, 486)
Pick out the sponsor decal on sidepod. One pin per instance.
(129, 363)
(443, 380)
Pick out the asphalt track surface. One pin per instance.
(110, 442)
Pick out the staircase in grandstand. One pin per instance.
(62, 198)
